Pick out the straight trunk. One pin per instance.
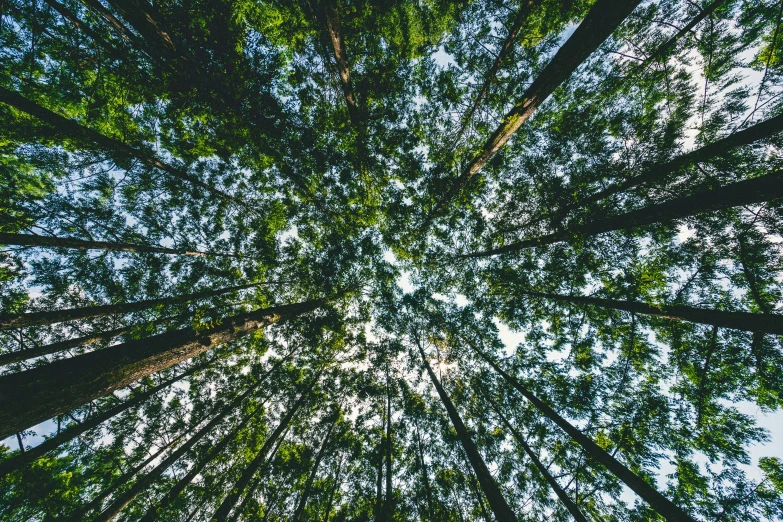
(388, 506)
(562, 495)
(330, 501)
(239, 512)
(71, 17)
(299, 511)
(766, 323)
(112, 20)
(148, 478)
(86, 136)
(379, 482)
(81, 244)
(599, 24)
(239, 488)
(8, 321)
(33, 396)
(341, 57)
(658, 502)
(71, 433)
(520, 18)
(497, 502)
(425, 477)
(756, 190)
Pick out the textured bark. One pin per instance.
(240, 486)
(86, 136)
(661, 504)
(300, 506)
(33, 396)
(81, 244)
(497, 502)
(71, 433)
(562, 495)
(71, 314)
(341, 57)
(112, 20)
(148, 478)
(505, 49)
(756, 190)
(599, 24)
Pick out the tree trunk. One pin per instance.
(86, 136)
(81, 244)
(71, 433)
(562, 495)
(661, 504)
(767, 323)
(222, 513)
(520, 19)
(71, 17)
(756, 190)
(32, 396)
(8, 321)
(599, 24)
(330, 501)
(425, 477)
(299, 511)
(118, 26)
(388, 506)
(496, 500)
(148, 478)
(379, 481)
(341, 57)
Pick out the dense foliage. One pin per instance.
(260, 257)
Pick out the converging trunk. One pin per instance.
(300, 506)
(33, 396)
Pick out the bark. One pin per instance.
(604, 17)
(86, 136)
(240, 512)
(239, 488)
(388, 506)
(330, 501)
(505, 49)
(112, 20)
(658, 502)
(425, 477)
(299, 511)
(71, 17)
(562, 495)
(32, 396)
(379, 481)
(148, 478)
(71, 433)
(81, 244)
(497, 502)
(8, 321)
(766, 323)
(756, 190)
(341, 57)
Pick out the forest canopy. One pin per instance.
(421, 260)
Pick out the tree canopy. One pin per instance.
(433, 260)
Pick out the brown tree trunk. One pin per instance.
(71, 17)
(330, 501)
(71, 433)
(32, 396)
(341, 57)
(497, 502)
(661, 504)
(424, 476)
(379, 482)
(299, 511)
(599, 24)
(388, 506)
(222, 513)
(81, 244)
(750, 191)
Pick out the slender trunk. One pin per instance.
(299, 511)
(388, 506)
(240, 486)
(425, 477)
(341, 57)
(751, 278)
(88, 137)
(379, 482)
(112, 20)
(32, 396)
(658, 502)
(767, 323)
(240, 511)
(562, 495)
(505, 49)
(704, 371)
(330, 501)
(8, 321)
(148, 478)
(81, 244)
(750, 191)
(71, 433)
(20, 442)
(599, 24)
(71, 17)
(497, 502)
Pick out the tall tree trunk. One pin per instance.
(505, 49)
(424, 475)
(341, 57)
(148, 478)
(388, 506)
(81, 244)
(259, 476)
(750, 191)
(112, 20)
(33, 396)
(222, 513)
(562, 495)
(379, 481)
(497, 502)
(8, 321)
(71, 17)
(299, 511)
(767, 323)
(71, 433)
(658, 502)
(599, 24)
(86, 136)
(330, 501)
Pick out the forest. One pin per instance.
(391, 261)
